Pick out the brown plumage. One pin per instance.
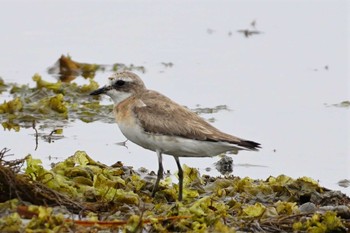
(179, 121)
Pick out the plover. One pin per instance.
(155, 122)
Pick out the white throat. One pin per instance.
(118, 96)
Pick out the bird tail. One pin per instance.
(251, 145)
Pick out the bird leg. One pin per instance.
(181, 177)
(159, 174)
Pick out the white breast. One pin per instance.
(173, 145)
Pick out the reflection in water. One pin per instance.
(54, 135)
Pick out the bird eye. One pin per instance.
(119, 83)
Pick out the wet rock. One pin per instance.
(308, 207)
(225, 165)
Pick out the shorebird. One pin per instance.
(155, 122)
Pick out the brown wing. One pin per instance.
(161, 115)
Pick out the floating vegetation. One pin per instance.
(56, 102)
(63, 100)
(82, 194)
(207, 110)
(3, 86)
(67, 69)
(215, 109)
(343, 104)
(252, 30)
(54, 135)
(167, 64)
(52, 102)
(11, 106)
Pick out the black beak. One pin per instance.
(99, 91)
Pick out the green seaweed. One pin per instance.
(211, 204)
(52, 102)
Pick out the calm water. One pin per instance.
(276, 83)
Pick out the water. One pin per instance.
(278, 84)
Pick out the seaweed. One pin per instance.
(67, 69)
(54, 103)
(118, 198)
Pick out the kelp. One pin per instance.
(118, 198)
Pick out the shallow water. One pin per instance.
(278, 84)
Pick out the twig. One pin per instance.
(36, 135)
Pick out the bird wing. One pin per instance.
(160, 115)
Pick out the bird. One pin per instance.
(157, 123)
